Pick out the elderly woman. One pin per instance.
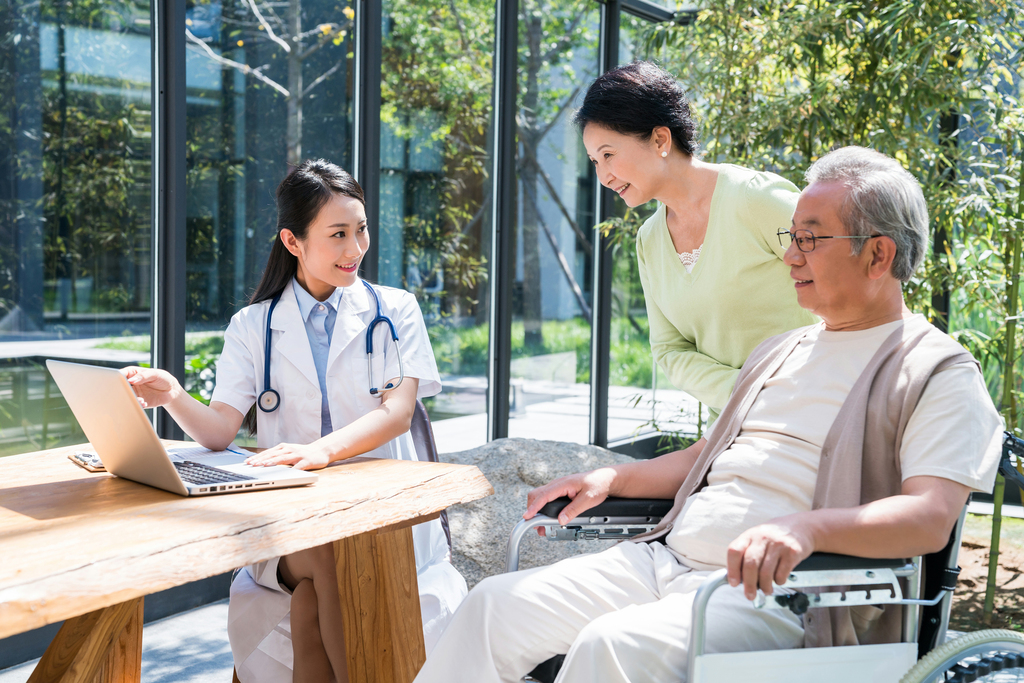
(710, 262)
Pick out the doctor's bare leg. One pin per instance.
(317, 566)
(311, 664)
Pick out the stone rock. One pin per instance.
(480, 529)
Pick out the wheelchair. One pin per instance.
(923, 585)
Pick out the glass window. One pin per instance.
(75, 238)
(640, 397)
(268, 85)
(434, 223)
(558, 42)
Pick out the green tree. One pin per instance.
(95, 162)
(932, 83)
(438, 59)
(436, 89)
(554, 37)
(292, 42)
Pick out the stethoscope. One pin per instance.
(269, 399)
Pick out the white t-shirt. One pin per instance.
(771, 469)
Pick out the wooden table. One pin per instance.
(86, 547)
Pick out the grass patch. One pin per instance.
(980, 527)
(197, 343)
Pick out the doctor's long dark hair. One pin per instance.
(300, 196)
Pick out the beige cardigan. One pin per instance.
(860, 459)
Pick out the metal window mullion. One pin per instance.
(168, 168)
(601, 328)
(366, 128)
(503, 197)
(645, 9)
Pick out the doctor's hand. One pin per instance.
(586, 489)
(153, 387)
(768, 553)
(301, 457)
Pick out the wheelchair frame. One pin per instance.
(925, 620)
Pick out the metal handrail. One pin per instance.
(718, 578)
(518, 531)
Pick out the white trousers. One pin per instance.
(622, 615)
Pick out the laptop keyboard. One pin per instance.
(198, 473)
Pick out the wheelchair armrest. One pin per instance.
(818, 562)
(615, 518)
(615, 507)
(821, 570)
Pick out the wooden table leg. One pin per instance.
(104, 646)
(380, 605)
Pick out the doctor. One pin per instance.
(295, 371)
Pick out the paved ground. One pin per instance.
(191, 647)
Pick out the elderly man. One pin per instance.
(862, 435)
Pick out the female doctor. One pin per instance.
(320, 402)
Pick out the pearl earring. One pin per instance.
(664, 154)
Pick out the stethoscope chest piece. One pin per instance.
(269, 400)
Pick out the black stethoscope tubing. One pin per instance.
(269, 399)
(378, 319)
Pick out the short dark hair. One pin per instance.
(637, 98)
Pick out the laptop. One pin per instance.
(117, 427)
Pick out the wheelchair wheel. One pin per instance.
(995, 655)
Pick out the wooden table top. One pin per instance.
(72, 541)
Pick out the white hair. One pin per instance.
(883, 198)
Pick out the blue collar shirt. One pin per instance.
(319, 318)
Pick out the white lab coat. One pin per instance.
(258, 615)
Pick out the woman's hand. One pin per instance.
(586, 490)
(153, 387)
(308, 457)
(213, 426)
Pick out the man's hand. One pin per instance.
(915, 522)
(586, 489)
(768, 553)
(309, 457)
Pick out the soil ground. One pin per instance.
(969, 598)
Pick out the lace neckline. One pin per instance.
(689, 258)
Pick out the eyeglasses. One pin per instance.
(805, 238)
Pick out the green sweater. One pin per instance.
(704, 324)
